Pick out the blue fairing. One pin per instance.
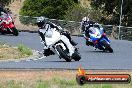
(95, 38)
(104, 38)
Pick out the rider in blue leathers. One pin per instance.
(85, 25)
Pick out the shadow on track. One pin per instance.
(97, 51)
(62, 61)
(6, 34)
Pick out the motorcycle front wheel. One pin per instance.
(63, 53)
(107, 46)
(15, 31)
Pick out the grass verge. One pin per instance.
(8, 52)
(49, 79)
(24, 50)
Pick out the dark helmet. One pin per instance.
(41, 21)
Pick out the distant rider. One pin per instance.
(2, 10)
(85, 27)
(45, 25)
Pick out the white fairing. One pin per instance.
(67, 42)
(52, 36)
(95, 32)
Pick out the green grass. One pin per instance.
(13, 84)
(2, 43)
(10, 84)
(42, 84)
(58, 83)
(63, 83)
(24, 50)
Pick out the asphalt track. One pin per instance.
(91, 59)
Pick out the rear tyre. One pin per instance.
(107, 46)
(3, 33)
(15, 31)
(63, 53)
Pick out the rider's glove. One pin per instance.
(89, 40)
(43, 43)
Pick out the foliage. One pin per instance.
(48, 8)
(77, 12)
(27, 20)
(24, 50)
(5, 2)
(112, 8)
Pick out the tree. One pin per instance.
(5, 2)
(48, 8)
(112, 8)
(77, 12)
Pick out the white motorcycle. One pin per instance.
(55, 41)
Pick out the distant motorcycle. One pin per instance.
(99, 39)
(54, 42)
(7, 26)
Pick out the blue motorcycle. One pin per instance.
(99, 39)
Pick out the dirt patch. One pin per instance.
(11, 53)
(33, 75)
(15, 8)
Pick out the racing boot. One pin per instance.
(89, 43)
(73, 55)
(48, 52)
(73, 43)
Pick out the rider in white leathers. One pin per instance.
(44, 25)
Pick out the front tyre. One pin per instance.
(15, 31)
(63, 53)
(107, 46)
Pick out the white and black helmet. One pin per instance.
(41, 21)
(85, 19)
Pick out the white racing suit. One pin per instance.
(63, 38)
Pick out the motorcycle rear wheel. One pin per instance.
(3, 33)
(63, 53)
